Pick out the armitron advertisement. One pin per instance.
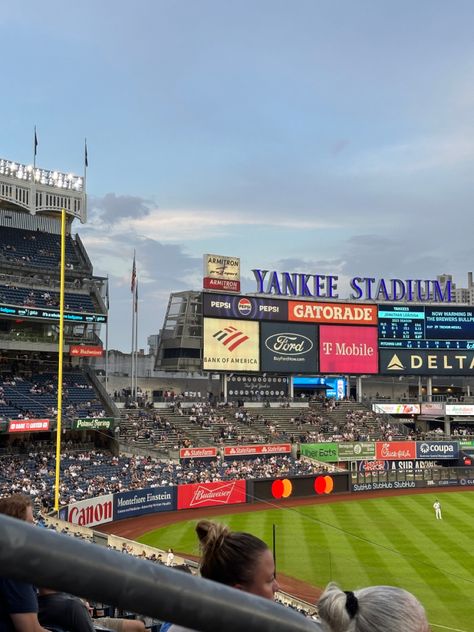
(211, 494)
(221, 273)
(334, 313)
(348, 349)
(248, 307)
(427, 362)
(288, 348)
(230, 345)
(88, 513)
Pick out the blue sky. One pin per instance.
(325, 137)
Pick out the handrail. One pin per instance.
(140, 586)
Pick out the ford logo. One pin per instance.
(289, 344)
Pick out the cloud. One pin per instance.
(111, 207)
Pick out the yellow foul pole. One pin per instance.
(60, 360)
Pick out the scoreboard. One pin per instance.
(426, 327)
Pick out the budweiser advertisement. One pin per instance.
(245, 450)
(29, 425)
(93, 511)
(83, 350)
(348, 349)
(211, 494)
(395, 450)
(197, 453)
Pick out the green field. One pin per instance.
(394, 541)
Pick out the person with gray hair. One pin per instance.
(373, 609)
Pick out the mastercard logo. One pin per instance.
(282, 488)
(244, 306)
(323, 484)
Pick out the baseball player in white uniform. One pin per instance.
(437, 508)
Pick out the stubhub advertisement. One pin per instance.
(143, 501)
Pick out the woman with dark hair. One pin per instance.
(236, 559)
(373, 609)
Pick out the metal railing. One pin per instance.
(83, 569)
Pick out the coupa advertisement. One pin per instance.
(144, 501)
(437, 450)
(288, 348)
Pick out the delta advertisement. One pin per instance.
(248, 307)
(231, 345)
(196, 495)
(427, 362)
(288, 348)
(437, 450)
(351, 350)
(91, 512)
(144, 501)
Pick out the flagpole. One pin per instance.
(60, 359)
(132, 287)
(136, 339)
(35, 146)
(107, 337)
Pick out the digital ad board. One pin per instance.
(288, 348)
(348, 349)
(426, 362)
(300, 487)
(333, 313)
(247, 307)
(197, 495)
(231, 345)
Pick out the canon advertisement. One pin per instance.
(437, 450)
(427, 362)
(91, 512)
(249, 307)
(198, 495)
(288, 348)
(144, 501)
(257, 387)
(351, 350)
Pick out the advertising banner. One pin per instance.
(231, 345)
(256, 386)
(326, 452)
(288, 348)
(271, 448)
(334, 313)
(29, 425)
(381, 466)
(93, 423)
(460, 410)
(198, 495)
(35, 313)
(382, 485)
(92, 511)
(83, 350)
(301, 487)
(427, 362)
(348, 350)
(395, 450)
(437, 450)
(432, 408)
(246, 307)
(356, 451)
(197, 453)
(144, 501)
(397, 409)
(373, 466)
(466, 443)
(221, 273)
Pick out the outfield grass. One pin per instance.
(392, 540)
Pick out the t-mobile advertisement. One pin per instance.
(348, 349)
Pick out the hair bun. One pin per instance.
(211, 535)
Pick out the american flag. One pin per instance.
(134, 275)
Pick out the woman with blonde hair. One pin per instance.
(373, 609)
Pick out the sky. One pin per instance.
(326, 137)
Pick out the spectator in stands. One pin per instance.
(373, 609)
(18, 600)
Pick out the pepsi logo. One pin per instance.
(244, 306)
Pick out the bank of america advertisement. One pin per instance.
(288, 348)
(231, 345)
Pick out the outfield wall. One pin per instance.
(132, 504)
